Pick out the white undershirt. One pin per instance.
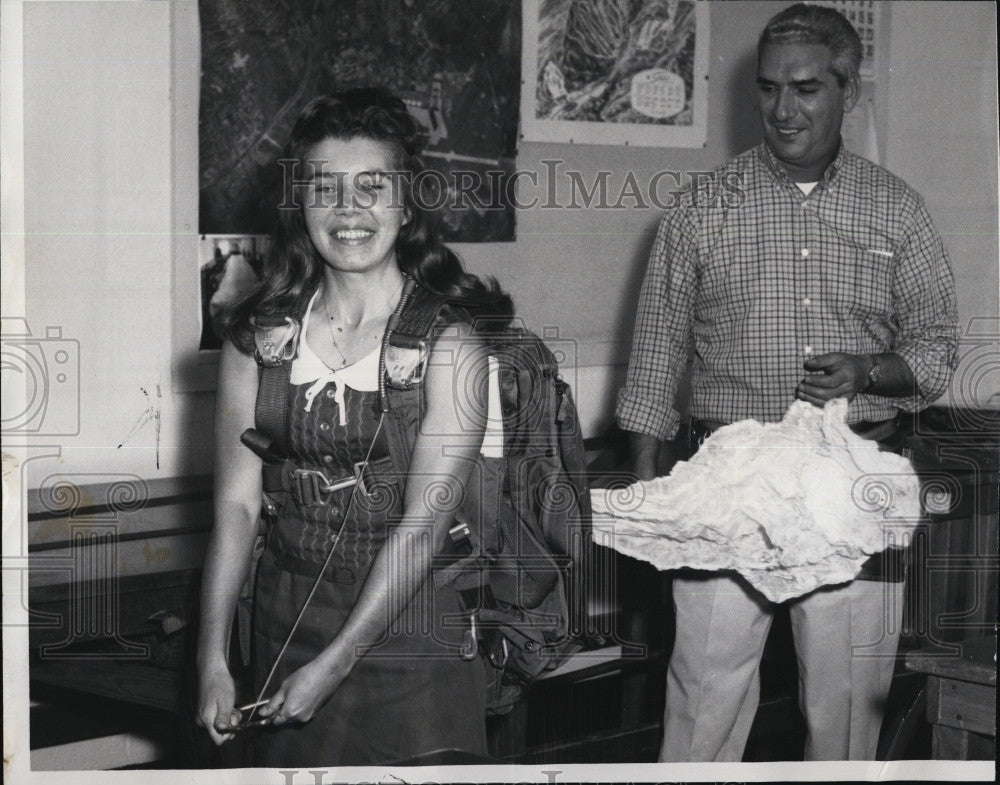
(308, 367)
(806, 188)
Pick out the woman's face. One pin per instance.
(353, 203)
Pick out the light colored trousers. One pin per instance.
(845, 643)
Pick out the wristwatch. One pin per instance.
(874, 373)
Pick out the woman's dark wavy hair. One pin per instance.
(293, 268)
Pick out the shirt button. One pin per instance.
(324, 426)
(327, 459)
(807, 350)
(807, 301)
(334, 510)
(805, 252)
(330, 393)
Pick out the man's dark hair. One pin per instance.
(813, 24)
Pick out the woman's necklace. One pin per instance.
(333, 337)
(365, 339)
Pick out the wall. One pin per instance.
(942, 131)
(98, 243)
(100, 240)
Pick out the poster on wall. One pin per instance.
(615, 72)
(229, 268)
(454, 62)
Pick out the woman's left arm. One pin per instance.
(446, 448)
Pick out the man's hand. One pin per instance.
(834, 375)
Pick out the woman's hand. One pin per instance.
(216, 699)
(303, 693)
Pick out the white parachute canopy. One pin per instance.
(791, 506)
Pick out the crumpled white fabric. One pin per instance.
(791, 506)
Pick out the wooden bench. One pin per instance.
(961, 698)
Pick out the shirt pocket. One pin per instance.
(858, 278)
(873, 273)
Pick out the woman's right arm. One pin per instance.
(237, 505)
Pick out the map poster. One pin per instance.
(455, 63)
(615, 72)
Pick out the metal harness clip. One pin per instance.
(499, 661)
(405, 366)
(470, 641)
(276, 343)
(313, 484)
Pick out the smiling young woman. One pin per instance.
(349, 681)
(353, 216)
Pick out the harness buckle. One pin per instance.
(312, 485)
(405, 365)
(276, 341)
(359, 477)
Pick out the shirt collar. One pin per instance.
(778, 170)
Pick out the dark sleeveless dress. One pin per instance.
(410, 694)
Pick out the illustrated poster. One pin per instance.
(615, 72)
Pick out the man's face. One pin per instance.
(801, 106)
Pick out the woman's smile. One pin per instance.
(353, 236)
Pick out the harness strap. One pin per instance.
(417, 319)
(271, 413)
(269, 439)
(410, 329)
(276, 340)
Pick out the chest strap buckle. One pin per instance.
(311, 486)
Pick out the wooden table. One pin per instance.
(961, 698)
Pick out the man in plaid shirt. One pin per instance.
(823, 279)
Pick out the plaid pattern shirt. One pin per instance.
(756, 277)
